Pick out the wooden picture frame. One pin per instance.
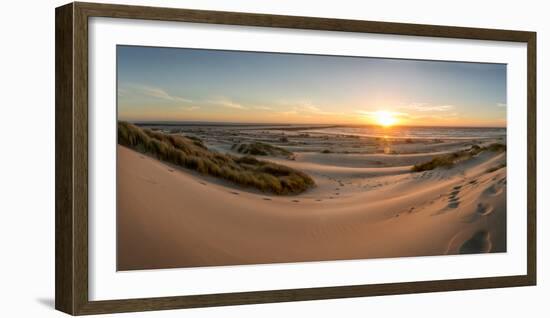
(71, 90)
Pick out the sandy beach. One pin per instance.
(367, 202)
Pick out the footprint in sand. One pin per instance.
(484, 208)
(171, 170)
(480, 242)
(203, 183)
(453, 199)
(296, 201)
(267, 199)
(148, 180)
(318, 200)
(453, 205)
(235, 193)
(493, 190)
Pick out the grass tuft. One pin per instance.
(260, 149)
(449, 160)
(191, 153)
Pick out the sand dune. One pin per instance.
(368, 160)
(169, 217)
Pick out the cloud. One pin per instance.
(262, 107)
(310, 108)
(227, 104)
(191, 108)
(122, 92)
(501, 105)
(436, 117)
(162, 94)
(375, 113)
(290, 112)
(127, 90)
(421, 107)
(305, 108)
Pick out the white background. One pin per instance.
(27, 159)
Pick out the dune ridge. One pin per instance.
(170, 217)
(191, 153)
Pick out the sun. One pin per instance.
(385, 118)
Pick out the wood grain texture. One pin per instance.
(298, 22)
(165, 303)
(72, 157)
(532, 158)
(64, 235)
(80, 144)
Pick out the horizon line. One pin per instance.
(221, 123)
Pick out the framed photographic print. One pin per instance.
(211, 158)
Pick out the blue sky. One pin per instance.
(234, 86)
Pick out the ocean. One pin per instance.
(401, 132)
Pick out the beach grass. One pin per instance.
(191, 153)
(260, 149)
(449, 160)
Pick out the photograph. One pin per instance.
(229, 157)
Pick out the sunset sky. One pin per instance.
(166, 84)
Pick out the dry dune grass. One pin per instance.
(192, 154)
(260, 149)
(449, 160)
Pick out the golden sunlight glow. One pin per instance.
(385, 118)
